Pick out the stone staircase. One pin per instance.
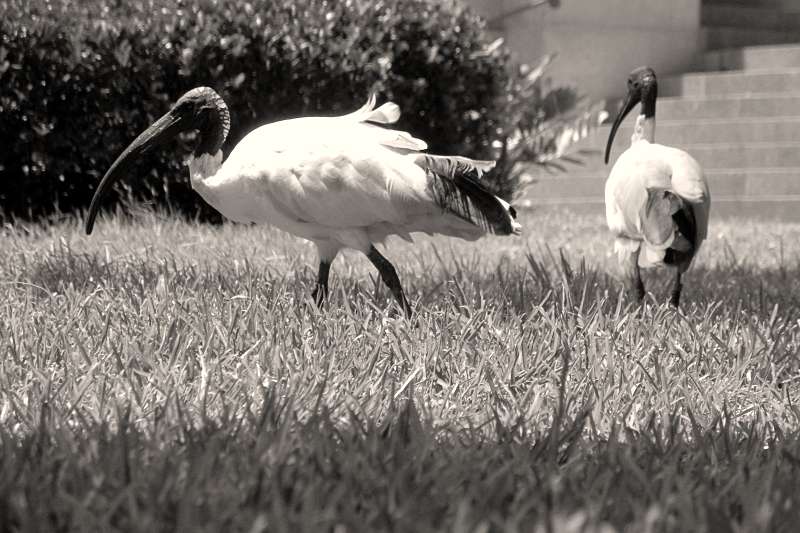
(738, 115)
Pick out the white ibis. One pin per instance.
(657, 199)
(340, 182)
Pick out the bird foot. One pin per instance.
(394, 312)
(636, 294)
(319, 295)
(675, 300)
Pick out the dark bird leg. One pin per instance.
(634, 276)
(675, 297)
(389, 276)
(681, 261)
(327, 253)
(320, 292)
(682, 250)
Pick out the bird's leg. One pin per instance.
(320, 292)
(634, 276)
(327, 251)
(675, 297)
(389, 276)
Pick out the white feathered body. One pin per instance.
(649, 165)
(339, 179)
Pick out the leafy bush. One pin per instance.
(79, 80)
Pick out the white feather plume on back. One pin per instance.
(388, 113)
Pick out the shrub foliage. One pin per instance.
(79, 80)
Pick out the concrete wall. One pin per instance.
(599, 42)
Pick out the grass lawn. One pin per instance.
(164, 375)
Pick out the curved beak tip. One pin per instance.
(631, 100)
(165, 128)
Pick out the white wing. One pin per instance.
(346, 179)
(686, 175)
(646, 165)
(331, 172)
(351, 129)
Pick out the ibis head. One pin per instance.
(200, 109)
(642, 88)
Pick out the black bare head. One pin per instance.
(200, 109)
(206, 112)
(642, 88)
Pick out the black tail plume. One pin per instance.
(455, 186)
(687, 228)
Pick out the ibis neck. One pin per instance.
(214, 129)
(201, 169)
(644, 129)
(212, 136)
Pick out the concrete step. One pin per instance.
(708, 130)
(752, 58)
(749, 17)
(696, 108)
(733, 36)
(739, 82)
(785, 5)
(764, 184)
(755, 193)
(749, 155)
(780, 209)
(711, 156)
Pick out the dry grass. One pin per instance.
(163, 375)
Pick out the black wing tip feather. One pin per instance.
(453, 166)
(455, 186)
(687, 223)
(687, 227)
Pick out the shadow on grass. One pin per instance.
(272, 469)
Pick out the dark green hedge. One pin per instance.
(79, 80)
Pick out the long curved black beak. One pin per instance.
(164, 129)
(631, 100)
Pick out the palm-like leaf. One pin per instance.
(541, 125)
